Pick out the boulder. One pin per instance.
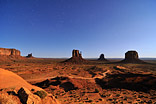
(27, 97)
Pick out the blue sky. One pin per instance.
(53, 28)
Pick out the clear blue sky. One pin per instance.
(52, 28)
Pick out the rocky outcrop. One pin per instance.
(29, 55)
(132, 57)
(102, 58)
(27, 97)
(76, 58)
(8, 52)
(25, 93)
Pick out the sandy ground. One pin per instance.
(83, 76)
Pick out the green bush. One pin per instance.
(42, 94)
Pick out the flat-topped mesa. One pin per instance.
(102, 58)
(9, 52)
(76, 58)
(132, 57)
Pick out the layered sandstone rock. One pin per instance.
(102, 58)
(132, 57)
(76, 58)
(8, 52)
(75, 53)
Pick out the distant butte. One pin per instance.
(132, 57)
(102, 58)
(76, 58)
(30, 55)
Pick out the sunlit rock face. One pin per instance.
(7, 51)
(75, 53)
(132, 57)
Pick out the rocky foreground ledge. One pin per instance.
(15, 90)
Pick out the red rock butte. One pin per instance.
(76, 58)
(132, 57)
(102, 58)
(29, 55)
(9, 52)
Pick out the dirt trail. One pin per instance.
(72, 77)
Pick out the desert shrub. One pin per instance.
(109, 99)
(117, 95)
(89, 101)
(100, 99)
(96, 90)
(125, 98)
(1, 89)
(140, 96)
(42, 94)
(121, 102)
(32, 89)
(149, 102)
(103, 95)
(129, 101)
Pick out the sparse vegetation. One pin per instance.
(42, 94)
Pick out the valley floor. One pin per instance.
(78, 84)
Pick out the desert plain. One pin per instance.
(91, 82)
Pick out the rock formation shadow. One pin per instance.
(62, 82)
(130, 81)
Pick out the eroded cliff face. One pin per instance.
(7, 51)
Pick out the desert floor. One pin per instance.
(78, 83)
